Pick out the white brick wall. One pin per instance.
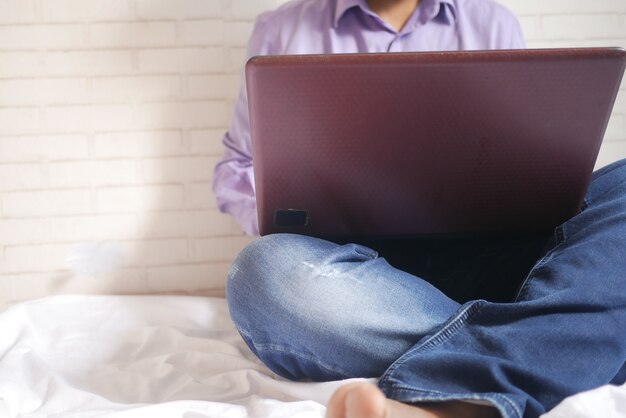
(111, 116)
(571, 23)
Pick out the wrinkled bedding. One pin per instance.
(163, 356)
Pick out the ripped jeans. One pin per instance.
(518, 322)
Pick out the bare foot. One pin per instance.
(364, 400)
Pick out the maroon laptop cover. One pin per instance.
(410, 144)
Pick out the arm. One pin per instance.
(233, 179)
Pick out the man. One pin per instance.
(454, 328)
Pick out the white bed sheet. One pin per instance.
(162, 356)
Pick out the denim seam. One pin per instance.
(560, 238)
(439, 337)
(431, 395)
(284, 349)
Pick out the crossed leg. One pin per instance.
(315, 310)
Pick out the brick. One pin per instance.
(574, 43)
(20, 64)
(191, 224)
(85, 228)
(542, 7)
(93, 173)
(221, 225)
(203, 32)
(166, 9)
(22, 231)
(218, 86)
(611, 152)
(139, 199)
(67, 119)
(138, 144)
(223, 249)
(116, 117)
(18, 120)
(616, 131)
(206, 142)
(181, 169)
(75, 119)
(189, 278)
(199, 196)
(24, 92)
(96, 259)
(187, 60)
(124, 89)
(237, 33)
(42, 37)
(531, 26)
(36, 258)
(620, 105)
(42, 148)
(582, 27)
(93, 63)
(236, 59)
(245, 9)
(121, 281)
(213, 160)
(135, 34)
(176, 224)
(157, 252)
(79, 10)
(46, 202)
(18, 287)
(17, 11)
(182, 115)
(20, 176)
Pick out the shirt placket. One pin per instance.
(419, 18)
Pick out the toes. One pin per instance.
(357, 400)
(337, 403)
(365, 401)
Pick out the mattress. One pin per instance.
(163, 356)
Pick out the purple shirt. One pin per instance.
(349, 26)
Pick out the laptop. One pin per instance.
(398, 145)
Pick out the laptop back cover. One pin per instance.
(411, 144)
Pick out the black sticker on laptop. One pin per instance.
(291, 217)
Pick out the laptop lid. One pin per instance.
(410, 144)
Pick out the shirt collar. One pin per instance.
(342, 7)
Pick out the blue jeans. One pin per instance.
(556, 326)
